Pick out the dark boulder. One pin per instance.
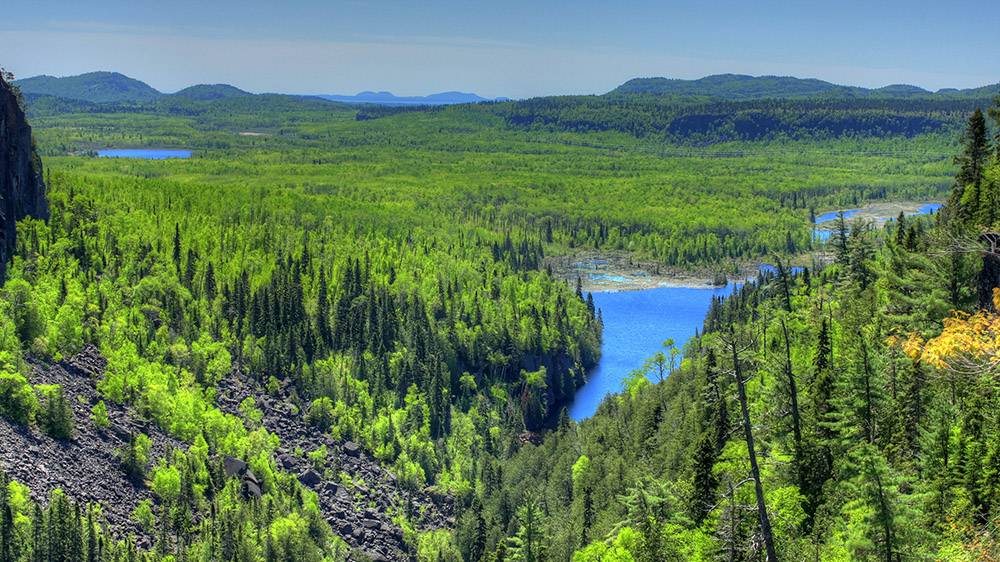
(310, 478)
(234, 466)
(251, 489)
(352, 449)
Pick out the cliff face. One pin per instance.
(22, 191)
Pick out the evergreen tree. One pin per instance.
(177, 248)
(56, 417)
(529, 545)
(705, 481)
(969, 195)
(209, 286)
(6, 521)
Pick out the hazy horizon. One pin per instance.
(518, 49)
(452, 91)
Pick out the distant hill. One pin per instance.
(387, 98)
(900, 90)
(113, 87)
(729, 86)
(743, 87)
(208, 92)
(94, 87)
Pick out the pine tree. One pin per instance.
(177, 248)
(6, 520)
(705, 481)
(968, 194)
(190, 269)
(736, 347)
(529, 545)
(56, 417)
(209, 286)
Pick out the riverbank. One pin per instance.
(878, 212)
(609, 272)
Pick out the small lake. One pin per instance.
(147, 153)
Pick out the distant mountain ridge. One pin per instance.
(387, 98)
(114, 87)
(744, 87)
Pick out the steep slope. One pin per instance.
(88, 467)
(22, 191)
(96, 87)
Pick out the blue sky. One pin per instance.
(516, 48)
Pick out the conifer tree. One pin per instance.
(968, 194)
(209, 287)
(529, 545)
(177, 248)
(56, 416)
(6, 520)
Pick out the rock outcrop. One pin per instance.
(22, 191)
(357, 496)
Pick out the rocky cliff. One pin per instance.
(22, 191)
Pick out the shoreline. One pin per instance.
(612, 272)
(878, 212)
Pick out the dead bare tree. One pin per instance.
(737, 346)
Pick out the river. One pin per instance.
(636, 323)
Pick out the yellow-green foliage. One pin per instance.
(17, 399)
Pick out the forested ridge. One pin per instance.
(383, 281)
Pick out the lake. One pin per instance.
(147, 153)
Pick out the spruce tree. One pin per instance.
(209, 287)
(6, 520)
(969, 195)
(177, 248)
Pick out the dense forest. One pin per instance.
(381, 275)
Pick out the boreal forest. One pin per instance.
(335, 331)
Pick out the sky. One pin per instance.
(512, 48)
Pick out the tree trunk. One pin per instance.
(765, 522)
(794, 391)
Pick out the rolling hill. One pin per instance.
(208, 92)
(743, 87)
(95, 87)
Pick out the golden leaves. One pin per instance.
(969, 343)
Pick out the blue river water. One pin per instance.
(824, 235)
(147, 153)
(636, 323)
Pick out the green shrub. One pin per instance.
(135, 457)
(317, 458)
(99, 413)
(321, 413)
(144, 515)
(17, 401)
